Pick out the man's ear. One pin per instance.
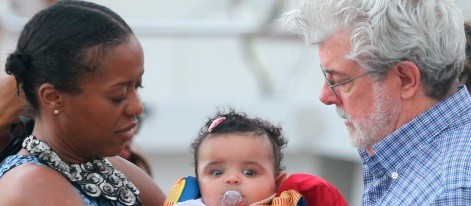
(49, 97)
(409, 78)
(280, 179)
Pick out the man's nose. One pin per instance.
(327, 96)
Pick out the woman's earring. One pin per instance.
(56, 111)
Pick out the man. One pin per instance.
(391, 68)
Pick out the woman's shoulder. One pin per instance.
(150, 193)
(43, 184)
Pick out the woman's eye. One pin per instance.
(139, 86)
(249, 173)
(118, 100)
(217, 172)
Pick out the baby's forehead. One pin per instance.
(236, 150)
(238, 137)
(242, 141)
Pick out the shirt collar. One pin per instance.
(394, 151)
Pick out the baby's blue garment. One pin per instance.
(17, 160)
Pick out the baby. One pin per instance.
(240, 157)
(238, 162)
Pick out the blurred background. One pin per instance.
(201, 55)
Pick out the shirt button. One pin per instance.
(394, 175)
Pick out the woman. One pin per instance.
(16, 125)
(79, 66)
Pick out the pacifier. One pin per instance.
(232, 198)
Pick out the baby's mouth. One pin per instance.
(232, 198)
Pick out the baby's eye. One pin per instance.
(217, 172)
(249, 173)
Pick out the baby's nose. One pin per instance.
(233, 179)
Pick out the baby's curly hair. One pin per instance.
(239, 122)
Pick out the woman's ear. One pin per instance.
(280, 179)
(49, 97)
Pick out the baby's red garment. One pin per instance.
(315, 190)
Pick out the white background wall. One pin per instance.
(196, 61)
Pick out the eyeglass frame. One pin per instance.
(332, 86)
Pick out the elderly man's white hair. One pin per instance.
(429, 33)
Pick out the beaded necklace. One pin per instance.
(96, 178)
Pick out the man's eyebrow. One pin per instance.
(330, 70)
(327, 70)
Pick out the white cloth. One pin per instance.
(197, 202)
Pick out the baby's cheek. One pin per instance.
(209, 197)
(260, 192)
(210, 201)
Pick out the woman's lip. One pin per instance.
(127, 135)
(128, 128)
(128, 132)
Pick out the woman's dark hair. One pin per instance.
(239, 122)
(62, 43)
(59, 45)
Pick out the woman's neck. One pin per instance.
(55, 139)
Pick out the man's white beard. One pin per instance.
(365, 132)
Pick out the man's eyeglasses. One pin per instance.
(332, 86)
